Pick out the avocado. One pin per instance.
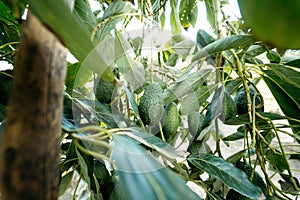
(151, 105)
(171, 121)
(241, 100)
(104, 91)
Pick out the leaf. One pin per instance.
(210, 13)
(185, 86)
(195, 100)
(74, 34)
(183, 48)
(224, 44)
(65, 182)
(273, 57)
(174, 18)
(188, 12)
(234, 158)
(203, 38)
(283, 82)
(215, 108)
(140, 176)
(105, 114)
(234, 136)
(76, 76)
(132, 71)
(115, 13)
(226, 172)
(2, 112)
(232, 84)
(153, 142)
(132, 102)
(294, 63)
(277, 160)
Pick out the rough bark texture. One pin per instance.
(31, 138)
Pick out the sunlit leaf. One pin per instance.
(188, 12)
(210, 13)
(224, 44)
(226, 172)
(174, 17)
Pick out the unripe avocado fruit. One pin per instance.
(228, 108)
(151, 105)
(104, 91)
(241, 100)
(5, 86)
(171, 122)
(195, 120)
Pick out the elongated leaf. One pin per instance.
(186, 86)
(210, 13)
(215, 108)
(188, 12)
(132, 102)
(283, 82)
(73, 33)
(174, 17)
(140, 176)
(224, 44)
(115, 13)
(153, 142)
(184, 47)
(203, 38)
(132, 71)
(65, 182)
(226, 172)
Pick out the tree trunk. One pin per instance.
(31, 138)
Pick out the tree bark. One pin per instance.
(31, 138)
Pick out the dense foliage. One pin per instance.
(122, 141)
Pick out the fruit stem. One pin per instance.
(240, 72)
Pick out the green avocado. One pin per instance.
(171, 121)
(241, 100)
(151, 105)
(195, 120)
(228, 108)
(104, 91)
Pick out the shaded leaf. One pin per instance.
(188, 12)
(226, 172)
(138, 171)
(278, 160)
(65, 182)
(186, 86)
(203, 38)
(132, 102)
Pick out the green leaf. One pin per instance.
(234, 136)
(203, 38)
(105, 114)
(232, 84)
(277, 160)
(215, 108)
(294, 63)
(195, 100)
(65, 182)
(72, 32)
(174, 17)
(210, 13)
(234, 158)
(224, 44)
(183, 48)
(132, 102)
(2, 112)
(226, 172)
(132, 71)
(116, 12)
(141, 176)
(185, 86)
(188, 12)
(153, 142)
(273, 57)
(283, 82)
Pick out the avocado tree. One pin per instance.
(146, 107)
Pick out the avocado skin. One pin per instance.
(171, 121)
(151, 105)
(104, 91)
(241, 101)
